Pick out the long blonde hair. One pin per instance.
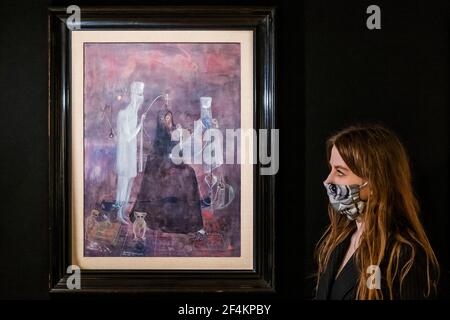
(374, 153)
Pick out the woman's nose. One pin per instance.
(329, 179)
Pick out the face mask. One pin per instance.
(345, 198)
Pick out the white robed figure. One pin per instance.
(126, 155)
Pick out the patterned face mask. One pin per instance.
(345, 198)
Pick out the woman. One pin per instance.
(169, 192)
(375, 246)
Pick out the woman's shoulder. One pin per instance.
(411, 270)
(406, 250)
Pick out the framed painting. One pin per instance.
(153, 186)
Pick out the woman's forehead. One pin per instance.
(336, 159)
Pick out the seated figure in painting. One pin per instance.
(169, 192)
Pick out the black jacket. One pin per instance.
(344, 287)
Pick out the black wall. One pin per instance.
(397, 76)
(332, 72)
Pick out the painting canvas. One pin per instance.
(148, 191)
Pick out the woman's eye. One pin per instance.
(340, 174)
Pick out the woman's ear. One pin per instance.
(364, 192)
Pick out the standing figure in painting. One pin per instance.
(126, 161)
(169, 192)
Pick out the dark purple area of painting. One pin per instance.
(185, 71)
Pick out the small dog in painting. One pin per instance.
(139, 225)
(91, 221)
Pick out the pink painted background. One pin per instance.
(185, 71)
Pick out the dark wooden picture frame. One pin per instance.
(260, 20)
